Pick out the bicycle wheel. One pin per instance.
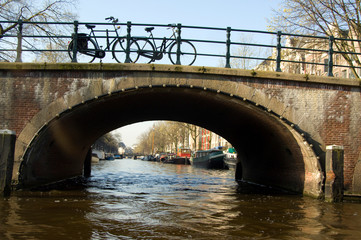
(146, 50)
(119, 50)
(188, 53)
(84, 55)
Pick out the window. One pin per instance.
(325, 62)
(344, 73)
(351, 74)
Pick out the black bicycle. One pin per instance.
(147, 51)
(88, 47)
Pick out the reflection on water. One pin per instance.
(131, 199)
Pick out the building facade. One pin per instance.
(305, 55)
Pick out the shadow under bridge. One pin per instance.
(270, 151)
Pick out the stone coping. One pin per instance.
(7, 132)
(181, 69)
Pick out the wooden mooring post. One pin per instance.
(334, 173)
(88, 164)
(7, 148)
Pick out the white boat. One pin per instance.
(95, 158)
(99, 153)
(230, 157)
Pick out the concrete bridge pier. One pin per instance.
(7, 148)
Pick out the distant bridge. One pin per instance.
(279, 123)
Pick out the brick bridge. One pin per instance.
(279, 123)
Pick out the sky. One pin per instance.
(239, 14)
(246, 14)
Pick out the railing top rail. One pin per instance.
(187, 26)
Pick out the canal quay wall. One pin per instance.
(280, 123)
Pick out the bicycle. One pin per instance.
(88, 47)
(148, 51)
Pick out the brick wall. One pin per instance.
(326, 112)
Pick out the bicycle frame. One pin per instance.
(100, 53)
(160, 50)
(132, 48)
(108, 44)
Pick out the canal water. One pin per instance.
(133, 199)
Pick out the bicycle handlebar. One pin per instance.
(111, 18)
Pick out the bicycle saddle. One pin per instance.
(149, 29)
(90, 26)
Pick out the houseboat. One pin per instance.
(182, 157)
(212, 158)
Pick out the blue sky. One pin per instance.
(240, 14)
(243, 14)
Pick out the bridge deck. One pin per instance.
(181, 69)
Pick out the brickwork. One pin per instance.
(325, 110)
(29, 93)
(328, 117)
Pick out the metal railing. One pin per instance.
(210, 42)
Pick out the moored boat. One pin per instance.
(212, 158)
(178, 160)
(95, 158)
(109, 157)
(182, 157)
(99, 153)
(230, 162)
(149, 158)
(230, 158)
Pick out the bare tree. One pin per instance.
(160, 141)
(144, 145)
(339, 18)
(194, 133)
(172, 131)
(108, 143)
(246, 53)
(157, 134)
(31, 13)
(166, 134)
(243, 53)
(52, 55)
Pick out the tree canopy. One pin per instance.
(330, 17)
(338, 18)
(161, 135)
(32, 12)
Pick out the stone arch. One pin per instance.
(210, 88)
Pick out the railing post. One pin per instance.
(20, 41)
(330, 56)
(75, 42)
(279, 48)
(127, 50)
(228, 44)
(179, 41)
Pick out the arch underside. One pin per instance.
(269, 151)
